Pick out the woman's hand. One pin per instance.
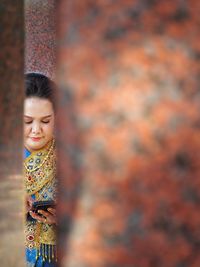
(48, 217)
(28, 203)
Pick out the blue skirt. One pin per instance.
(45, 257)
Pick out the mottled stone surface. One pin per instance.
(40, 37)
(128, 73)
(11, 105)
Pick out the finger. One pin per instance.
(30, 199)
(52, 211)
(28, 209)
(29, 204)
(44, 213)
(36, 216)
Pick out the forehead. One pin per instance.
(37, 107)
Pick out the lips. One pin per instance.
(35, 139)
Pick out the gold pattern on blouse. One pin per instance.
(40, 180)
(39, 168)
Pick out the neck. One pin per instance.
(44, 147)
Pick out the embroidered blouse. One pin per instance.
(40, 183)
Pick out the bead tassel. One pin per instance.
(47, 252)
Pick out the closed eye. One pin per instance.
(28, 122)
(45, 121)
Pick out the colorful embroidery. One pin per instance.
(39, 173)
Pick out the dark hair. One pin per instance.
(38, 85)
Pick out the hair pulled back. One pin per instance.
(39, 85)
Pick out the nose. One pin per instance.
(36, 128)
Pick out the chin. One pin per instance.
(36, 146)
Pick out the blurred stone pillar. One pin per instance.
(11, 107)
(128, 75)
(40, 16)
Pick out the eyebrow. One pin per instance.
(45, 117)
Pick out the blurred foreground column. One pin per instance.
(128, 133)
(11, 107)
(40, 36)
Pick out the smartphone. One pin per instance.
(41, 205)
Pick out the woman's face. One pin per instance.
(38, 122)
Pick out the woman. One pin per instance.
(39, 171)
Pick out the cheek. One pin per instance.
(49, 129)
(26, 129)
